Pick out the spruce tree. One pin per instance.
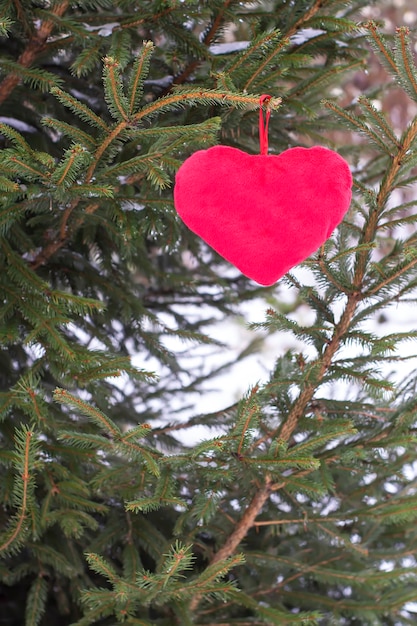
(297, 505)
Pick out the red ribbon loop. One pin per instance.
(263, 126)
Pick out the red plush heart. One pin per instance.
(263, 213)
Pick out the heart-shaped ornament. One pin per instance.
(263, 213)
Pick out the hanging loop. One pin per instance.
(263, 124)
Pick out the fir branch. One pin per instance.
(379, 120)
(96, 609)
(91, 190)
(139, 72)
(380, 44)
(331, 24)
(111, 136)
(331, 276)
(400, 270)
(208, 38)
(205, 506)
(139, 452)
(131, 558)
(86, 60)
(56, 338)
(354, 123)
(26, 387)
(85, 441)
(75, 158)
(81, 110)
(69, 130)
(22, 168)
(102, 567)
(25, 445)
(142, 163)
(306, 17)
(64, 233)
(335, 535)
(36, 600)
(355, 296)
(182, 97)
(7, 186)
(22, 274)
(33, 49)
(153, 503)
(16, 138)
(97, 416)
(211, 126)
(264, 40)
(54, 557)
(5, 25)
(10, 215)
(115, 98)
(179, 559)
(217, 569)
(34, 77)
(306, 394)
(67, 25)
(267, 60)
(240, 531)
(405, 62)
(134, 22)
(192, 97)
(249, 414)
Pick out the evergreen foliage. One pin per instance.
(298, 509)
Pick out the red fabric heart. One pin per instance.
(263, 213)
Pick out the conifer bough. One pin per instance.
(297, 506)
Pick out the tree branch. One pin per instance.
(23, 508)
(241, 530)
(187, 71)
(355, 295)
(193, 65)
(34, 47)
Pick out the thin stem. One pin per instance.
(371, 27)
(403, 32)
(390, 279)
(174, 98)
(241, 530)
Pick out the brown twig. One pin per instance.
(187, 71)
(57, 243)
(35, 46)
(193, 65)
(241, 530)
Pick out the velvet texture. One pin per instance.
(263, 213)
